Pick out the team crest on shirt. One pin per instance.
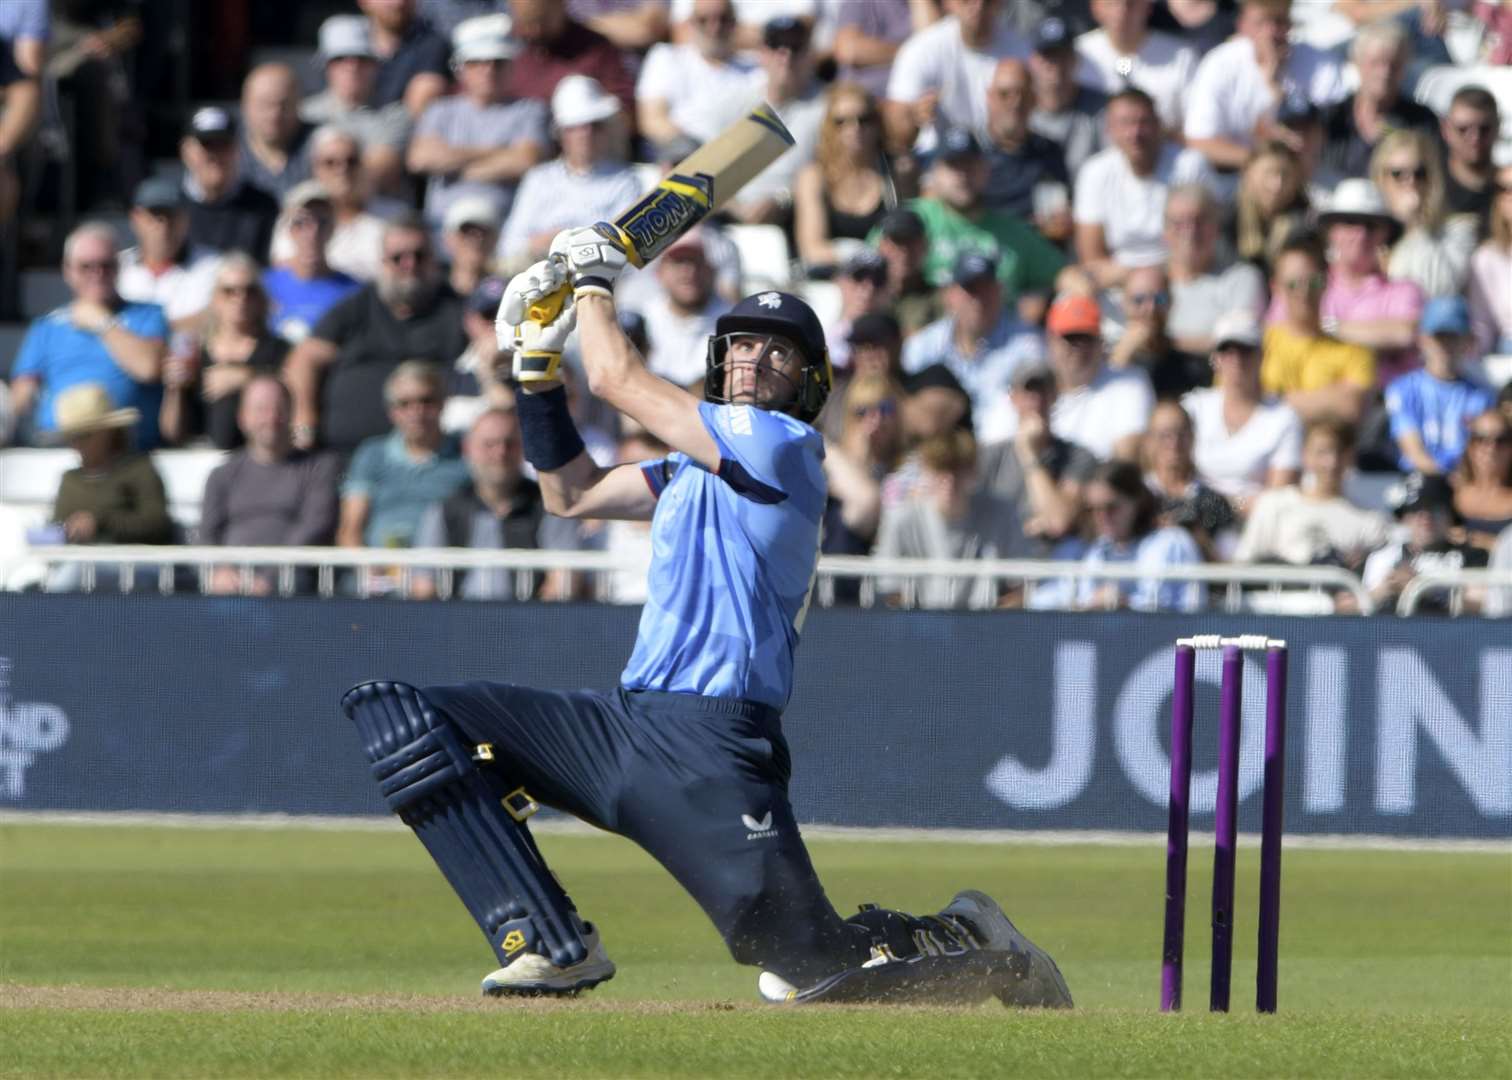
(770, 299)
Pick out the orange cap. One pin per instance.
(1074, 315)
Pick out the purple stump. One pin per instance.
(1226, 825)
(1270, 835)
(1176, 829)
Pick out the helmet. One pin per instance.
(785, 315)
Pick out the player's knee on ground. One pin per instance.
(468, 818)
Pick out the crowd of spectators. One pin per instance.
(1136, 282)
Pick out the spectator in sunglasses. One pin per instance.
(349, 100)
(1483, 479)
(1491, 275)
(1434, 249)
(1145, 342)
(1469, 131)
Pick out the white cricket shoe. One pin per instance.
(533, 975)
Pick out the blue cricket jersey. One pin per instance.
(734, 555)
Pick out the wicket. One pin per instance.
(1226, 817)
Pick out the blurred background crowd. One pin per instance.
(1148, 282)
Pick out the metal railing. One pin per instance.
(1457, 582)
(180, 567)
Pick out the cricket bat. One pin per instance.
(697, 186)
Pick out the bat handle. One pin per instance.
(545, 310)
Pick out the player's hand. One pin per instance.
(537, 343)
(593, 256)
(530, 288)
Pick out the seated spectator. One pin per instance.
(1065, 112)
(337, 373)
(1490, 288)
(348, 101)
(1202, 291)
(1313, 523)
(557, 46)
(940, 74)
(849, 187)
(875, 343)
(934, 403)
(901, 240)
(948, 516)
(394, 477)
(1121, 191)
(869, 447)
(1125, 529)
(1360, 304)
(165, 268)
(1271, 206)
(268, 494)
(1242, 85)
(497, 507)
(1318, 375)
(470, 236)
(412, 57)
(1244, 441)
(1123, 51)
(790, 86)
(479, 141)
(203, 386)
(1469, 131)
(338, 163)
(1096, 407)
(863, 291)
(1483, 479)
(1145, 342)
(1425, 507)
(1355, 125)
(957, 221)
(1430, 409)
(1171, 473)
(1498, 602)
(274, 156)
(97, 338)
(699, 88)
(1018, 160)
(225, 212)
(115, 496)
(303, 286)
(1036, 470)
(20, 100)
(981, 340)
(480, 379)
(589, 181)
(680, 319)
(868, 36)
(1433, 250)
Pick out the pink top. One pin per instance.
(1490, 292)
(1376, 297)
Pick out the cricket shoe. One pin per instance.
(1036, 981)
(533, 975)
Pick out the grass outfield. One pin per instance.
(240, 952)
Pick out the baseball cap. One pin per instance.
(689, 242)
(878, 328)
(1238, 327)
(904, 226)
(484, 37)
(866, 263)
(785, 32)
(1074, 315)
(484, 300)
(1419, 492)
(1032, 374)
(471, 210)
(212, 124)
(157, 193)
(935, 376)
(957, 143)
(304, 193)
(346, 35)
(1052, 34)
(1446, 315)
(581, 99)
(972, 268)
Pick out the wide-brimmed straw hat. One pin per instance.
(87, 407)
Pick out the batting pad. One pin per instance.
(469, 820)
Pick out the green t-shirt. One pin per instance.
(1027, 262)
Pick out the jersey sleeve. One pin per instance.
(763, 455)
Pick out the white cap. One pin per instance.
(472, 210)
(581, 99)
(346, 35)
(1240, 327)
(304, 193)
(484, 37)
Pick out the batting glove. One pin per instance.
(593, 256)
(536, 316)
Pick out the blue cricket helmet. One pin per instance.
(782, 314)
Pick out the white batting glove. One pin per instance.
(536, 317)
(593, 256)
(530, 288)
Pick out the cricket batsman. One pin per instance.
(686, 757)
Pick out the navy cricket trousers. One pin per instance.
(700, 783)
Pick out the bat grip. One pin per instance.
(545, 310)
